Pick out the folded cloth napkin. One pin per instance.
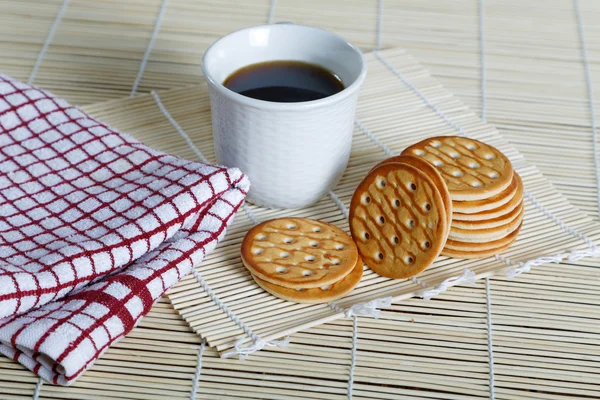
(94, 227)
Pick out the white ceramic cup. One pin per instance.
(293, 153)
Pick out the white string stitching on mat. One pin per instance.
(467, 276)
(371, 308)
(339, 203)
(379, 25)
(560, 223)
(159, 17)
(353, 357)
(419, 282)
(418, 93)
(249, 213)
(51, 33)
(198, 370)
(573, 255)
(483, 78)
(588, 79)
(271, 12)
(366, 308)
(178, 128)
(487, 279)
(490, 338)
(38, 388)
(374, 138)
(257, 342)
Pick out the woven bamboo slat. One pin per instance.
(544, 323)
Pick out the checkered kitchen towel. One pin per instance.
(94, 227)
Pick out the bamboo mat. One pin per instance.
(395, 114)
(535, 78)
(418, 349)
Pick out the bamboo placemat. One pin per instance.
(536, 88)
(542, 350)
(391, 112)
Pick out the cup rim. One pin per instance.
(302, 105)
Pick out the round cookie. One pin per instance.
(465, 246)
(514, 192)
(322, 294)
(398, 220)
(298, 252)
(472, 170)
(474, 254)
(486, 235)
(432, 173)
(490, 223)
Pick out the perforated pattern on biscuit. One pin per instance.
(397, 220)
(431, 172)
(298, 252)
(467, 165)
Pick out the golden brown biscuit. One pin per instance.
(432, 173)
(472, 170)
(298, 252)
(398, 220)
(512, 195)
(322, 294)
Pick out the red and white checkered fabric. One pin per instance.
(94, 227)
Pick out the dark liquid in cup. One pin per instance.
(284, 81)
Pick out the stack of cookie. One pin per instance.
(302, 260)
(486, 193)
(445, 195)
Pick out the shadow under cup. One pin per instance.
(293, 153)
